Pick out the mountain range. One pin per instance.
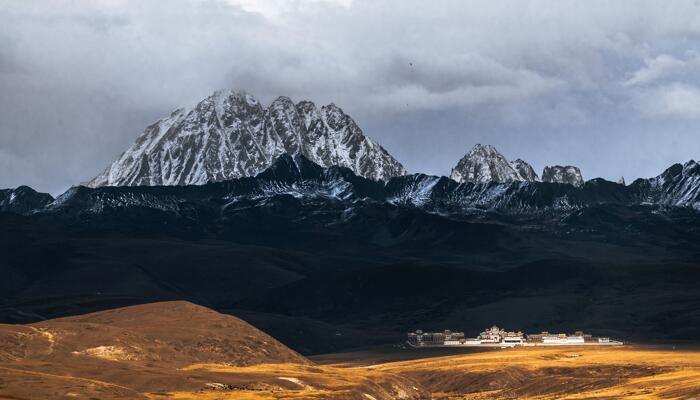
(233, 149)
(301, 178)
(231, 135)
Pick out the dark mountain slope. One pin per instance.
(23, 200)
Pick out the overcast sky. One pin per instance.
(610, 86)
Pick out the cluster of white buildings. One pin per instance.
(497, 337)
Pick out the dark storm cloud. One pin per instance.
(612, 87)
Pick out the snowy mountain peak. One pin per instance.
(483, 163)
(230, 135)
(484, 150)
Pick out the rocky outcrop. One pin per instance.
(562, 174)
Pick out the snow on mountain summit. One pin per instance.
(483, 163)
(231, 135)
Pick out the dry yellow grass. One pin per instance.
(249, 395)
(526, 373)
(293, 381)
(559, 373)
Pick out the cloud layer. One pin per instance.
(613, 88)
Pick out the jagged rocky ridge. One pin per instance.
(299, 178)
(231, 135)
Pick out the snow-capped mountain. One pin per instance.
(484, 164)
(560, 174)
(231, 135)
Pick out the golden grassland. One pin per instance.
(290, 381)
(522, 373)
(560, 373)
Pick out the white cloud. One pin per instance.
(665, 66)
(674, 100)
(277, 9)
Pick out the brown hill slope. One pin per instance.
(170, 349)
(175, 333)
(124, 352)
